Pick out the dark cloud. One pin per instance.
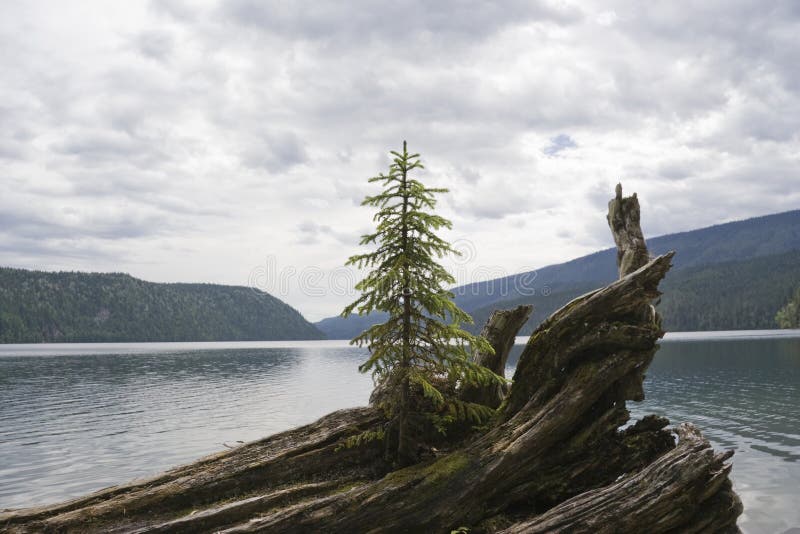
(10, 149)
(178, 9)
(156, 45)
(469, 175)
(312, 233)
(110, 146)
(275, 152)
(364, 22)
(71, 224)
(50, 254)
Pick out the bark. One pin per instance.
(500, 330)
(557, 437)
(555, 452)
(691, 479)
(623, 219)
(280, 467)
(555, 459)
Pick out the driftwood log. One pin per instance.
(556, 459)
(624, 220)
(500, 330)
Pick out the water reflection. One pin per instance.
(75, 423)
(72, 424)
(745, 395)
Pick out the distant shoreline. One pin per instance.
(722, 335)
(74, 349)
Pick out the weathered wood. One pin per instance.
(500, 330)
(556, 436)
(624, 220)
(554, 460)
(685, 490)
(302, 455)
(575, 406)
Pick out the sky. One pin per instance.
(231, 142)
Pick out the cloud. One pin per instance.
(114, 226)
(312, 233)
(157, 45)
(362, 21)
(275, 152)
(185, 141)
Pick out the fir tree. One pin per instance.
(420, 355)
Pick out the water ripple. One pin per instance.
(75, 423)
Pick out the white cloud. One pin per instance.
(188, 141)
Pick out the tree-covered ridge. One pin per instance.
(735, 295)
(38, 306)
(767, 237)
(739, 295)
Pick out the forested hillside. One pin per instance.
(741, 295)
(713, 285)
(725, 296)
(789, 315)
(40, 306)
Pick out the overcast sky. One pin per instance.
(231, 141)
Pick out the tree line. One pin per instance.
(38, 306)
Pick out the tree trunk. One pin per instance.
(500, 330)
(658, 498)
(554, 453)
(279, 468)
(554, 460)
(624, 221)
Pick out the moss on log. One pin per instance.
(555, 459)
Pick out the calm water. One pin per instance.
(76, 418)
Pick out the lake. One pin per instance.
(75, 418)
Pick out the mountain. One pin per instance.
(38, 306)
(735, 295)
(708, 264)
(339, 328)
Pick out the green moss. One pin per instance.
(446, 467)
(347, 487)
(430, 474)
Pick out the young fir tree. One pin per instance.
(420, 355)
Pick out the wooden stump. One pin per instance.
(555, 459)
(501, 331)
(624, 220)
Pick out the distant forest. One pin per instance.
(743, 295)
(40, 306)
(733, 276)
(789, 315)
(741, 275)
